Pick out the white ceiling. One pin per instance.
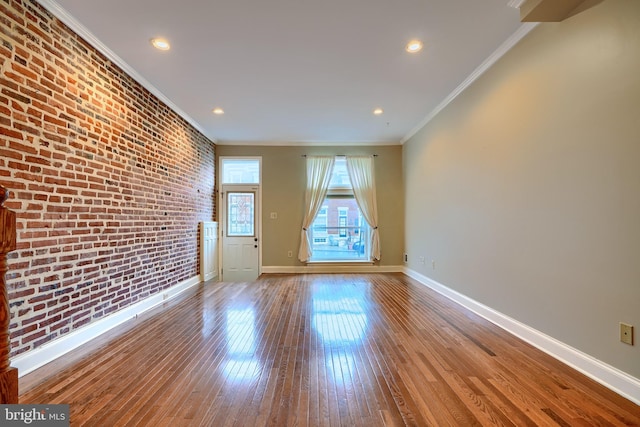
(298, 71)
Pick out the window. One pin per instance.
(339, 231)
(342, 220)
(240, 171)
(320, 226)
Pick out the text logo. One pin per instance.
(34, 415)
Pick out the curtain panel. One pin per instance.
(361, 174)
(318, 178)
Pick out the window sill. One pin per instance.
(341, 262)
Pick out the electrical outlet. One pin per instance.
(433, 264)
(421, 260)
(290, 254)
(626, 333)
(274, 215)
(406, 257)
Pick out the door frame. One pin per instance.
(222, 209)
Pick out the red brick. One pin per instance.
(27, 339)
(11, 133)
(27, 149)
(24, 71)
(10, 153)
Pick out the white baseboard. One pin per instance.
(612, 378)
(332, 268)
(34, 359)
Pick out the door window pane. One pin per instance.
(240, 214)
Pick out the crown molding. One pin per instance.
(522, 31)
(66, 18)
(310, 143)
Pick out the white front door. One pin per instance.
(240, 236)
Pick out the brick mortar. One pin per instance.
(108, 183)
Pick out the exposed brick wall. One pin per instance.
(107, 182)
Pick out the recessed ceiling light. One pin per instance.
(160, 43)
(378, 111)
(218, 111)
(413, 46)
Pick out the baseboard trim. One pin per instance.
(34, 359)
(612, 378)
(332, 268)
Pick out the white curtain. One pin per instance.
(318, 177)
(360, 170)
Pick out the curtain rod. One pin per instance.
(340, 155)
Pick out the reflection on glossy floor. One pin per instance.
(319, 350)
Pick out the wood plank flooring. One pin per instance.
(319, 350)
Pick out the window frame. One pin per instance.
(342, 191)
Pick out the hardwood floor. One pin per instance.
(319, 350)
